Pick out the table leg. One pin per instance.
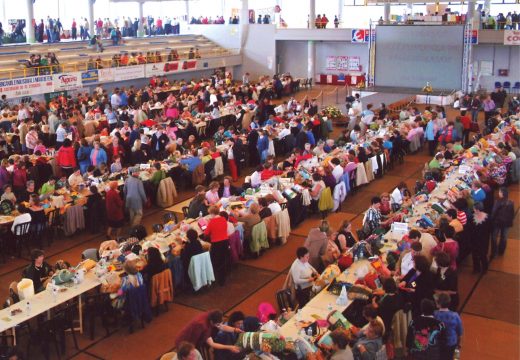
(14, 336)
(80, 305)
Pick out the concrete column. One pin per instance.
(312, 14)
(311, 59)
(91, 27)
(187, 4)
(341, 6)
(140, 29)
(29, 28)
(386, 16)
(244, 23)
(471, 11)
(487, 6)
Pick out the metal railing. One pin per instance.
(77, 66)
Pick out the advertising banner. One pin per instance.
(90, 77)
(128, 72)
(66, 81)
(331, 63)
(28, 86)
(106, 75)
(511, 37)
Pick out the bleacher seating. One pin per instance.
(73, 56)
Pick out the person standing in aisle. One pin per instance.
(135, 196)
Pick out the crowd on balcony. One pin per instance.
(511, 21)
(43, 64)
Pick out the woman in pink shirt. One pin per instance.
(212, 194)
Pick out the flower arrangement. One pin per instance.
(427, 88)
(332, 112)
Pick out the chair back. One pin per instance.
(92, 254)
(258, 238)
(170, 216)
(137, 304)
(22, 229)
(283, 298)
(200, 271)
(169, 356)
(185, 210)
(161, 290)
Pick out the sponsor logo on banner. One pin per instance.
(154, 69)
(28, 86)
(106, 75)
(189, 64)
(90, 77)
(511, 37)
(171, 67)
(128, 72)
(362, 35)
(67, 81)
(471, 36)
(358, 35)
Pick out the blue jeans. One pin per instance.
(474, 115)
(502, 242)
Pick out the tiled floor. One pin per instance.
(490, 303)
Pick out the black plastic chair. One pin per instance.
(64, 320)
(185, 211)
(54, 225)
(283, 298)
(98, 305)
(170, 216)
(157, 228)
(22, 237)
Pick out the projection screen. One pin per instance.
(409, 56)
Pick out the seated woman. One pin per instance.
(191, 248)
(199, 205)
(154, 264)
(227, 189)
(250, 219)
(38, 271)
(273, 204)
(8, 194)
(212, 195)
(344, 238)
(158, 174)
(38, 217)
(265, 211)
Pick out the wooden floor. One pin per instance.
(489, 304)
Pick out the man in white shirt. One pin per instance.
(338, 170)
(115, 99)
(367, 116)
(23, 113)
(303, 275)
(61, 134)
(53, 122)
(284, 132)
(256, 178)
(427, 242)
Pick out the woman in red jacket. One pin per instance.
(19, 179)
(115, 210)
(66, 158)
(219, 251)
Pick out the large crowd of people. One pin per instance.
(89, 141)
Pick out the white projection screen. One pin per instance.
(409, 56)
